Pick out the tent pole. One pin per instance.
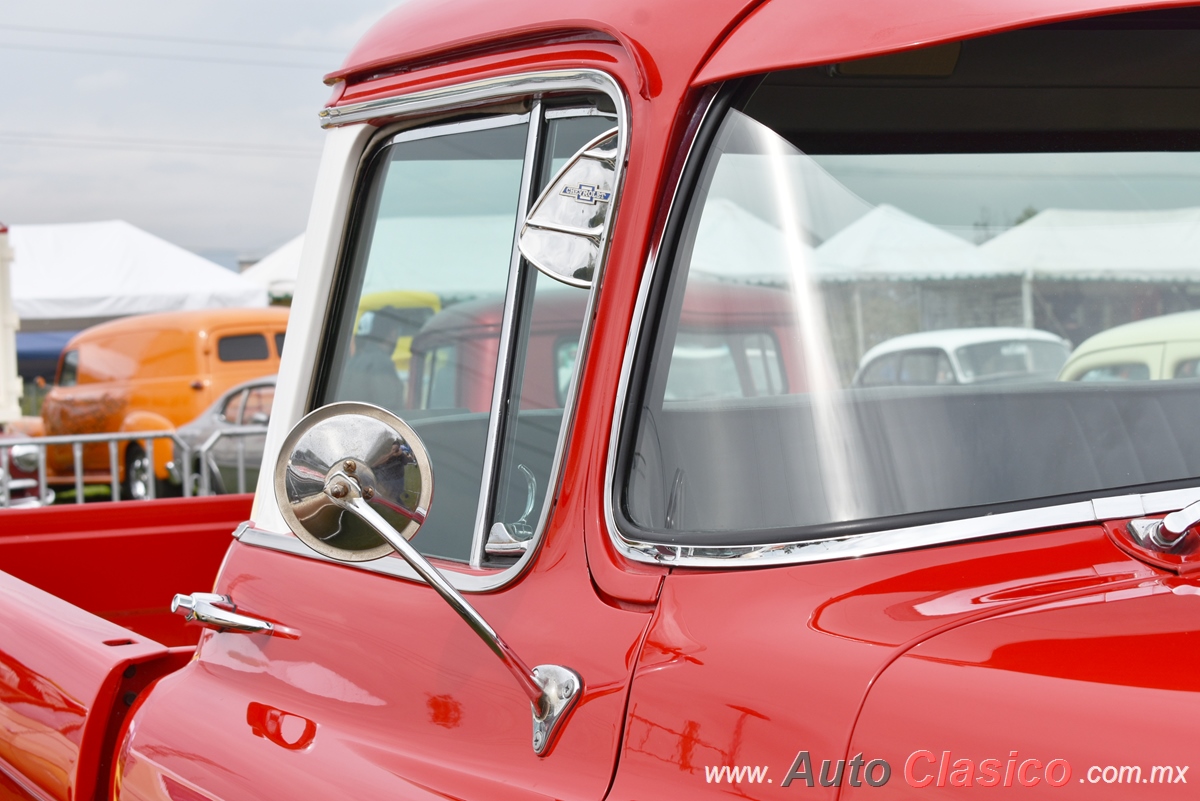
(1027, 299)
(10, 383)
(858, 321)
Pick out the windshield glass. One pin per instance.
(929, 327)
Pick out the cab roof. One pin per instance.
(430, 30)
(951, 339)
(710, 41)
(1178, 327)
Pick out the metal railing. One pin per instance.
(185, 457)
(204, 457)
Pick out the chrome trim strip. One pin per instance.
(436, 130)
(586, 233)
(905, 539)
(484, 93)
(630, 548)
(392, 566)
(503, 368)
(856, 545)
(571, 113)
(475, 93)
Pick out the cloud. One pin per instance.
(182, 148)
(343, 33)
(103, 81)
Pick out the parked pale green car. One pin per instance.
(1146, 350)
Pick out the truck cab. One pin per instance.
(627, 528)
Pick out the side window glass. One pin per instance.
(425, 284)
(257, 410)
(441, 372)
(279, 344)
(764, 363)
(925, 368)
(880, 372)
(232, 409)
(550, 319)
(1131, 371)
(70, 369)
(243, 348)
(1190, 368)
(702, 366)
(565, 354)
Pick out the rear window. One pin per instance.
(243, 348)
(1044, 192)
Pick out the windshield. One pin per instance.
(958, 324)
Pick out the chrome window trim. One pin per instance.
(500, 383)
(531, 86)
(851, 546)
(477, 93)
(573, 113)
(906, 539)
(435, 130)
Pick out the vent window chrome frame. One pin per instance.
(407, 112)
(868, 537)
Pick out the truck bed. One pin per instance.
(124, 561)
(85, 628)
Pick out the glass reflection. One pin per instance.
(919, 366)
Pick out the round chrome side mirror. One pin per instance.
(354, 483)
(385, 458)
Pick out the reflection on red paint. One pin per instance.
(286, 730)
(176, 791)
(444, 711)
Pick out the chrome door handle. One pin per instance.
(217, 612)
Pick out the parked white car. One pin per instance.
(964, 356)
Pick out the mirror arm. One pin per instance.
(552, 690)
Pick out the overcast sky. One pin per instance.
(160, 114)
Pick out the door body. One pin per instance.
(384, 691)
(901, 653)
(955, 711)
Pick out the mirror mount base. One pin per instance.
(561, 688)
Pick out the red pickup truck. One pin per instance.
(652, 540)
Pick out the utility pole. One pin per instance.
(10, 383)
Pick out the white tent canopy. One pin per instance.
(441, 254)
(276, 272)
(74, 275)
(1069, 244)
(733, 244)
(889, 244)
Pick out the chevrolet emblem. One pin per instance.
(586, 193)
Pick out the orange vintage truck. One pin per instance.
(152, 372)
